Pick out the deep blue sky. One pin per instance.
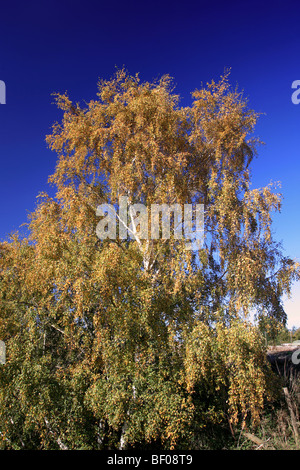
(58, 46)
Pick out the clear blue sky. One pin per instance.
(58, 46)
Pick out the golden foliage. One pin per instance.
(140, 340)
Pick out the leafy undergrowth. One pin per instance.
(279, 428)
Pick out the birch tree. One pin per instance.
(136, 340)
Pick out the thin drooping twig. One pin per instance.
(292, 414)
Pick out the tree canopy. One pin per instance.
(136, 342)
